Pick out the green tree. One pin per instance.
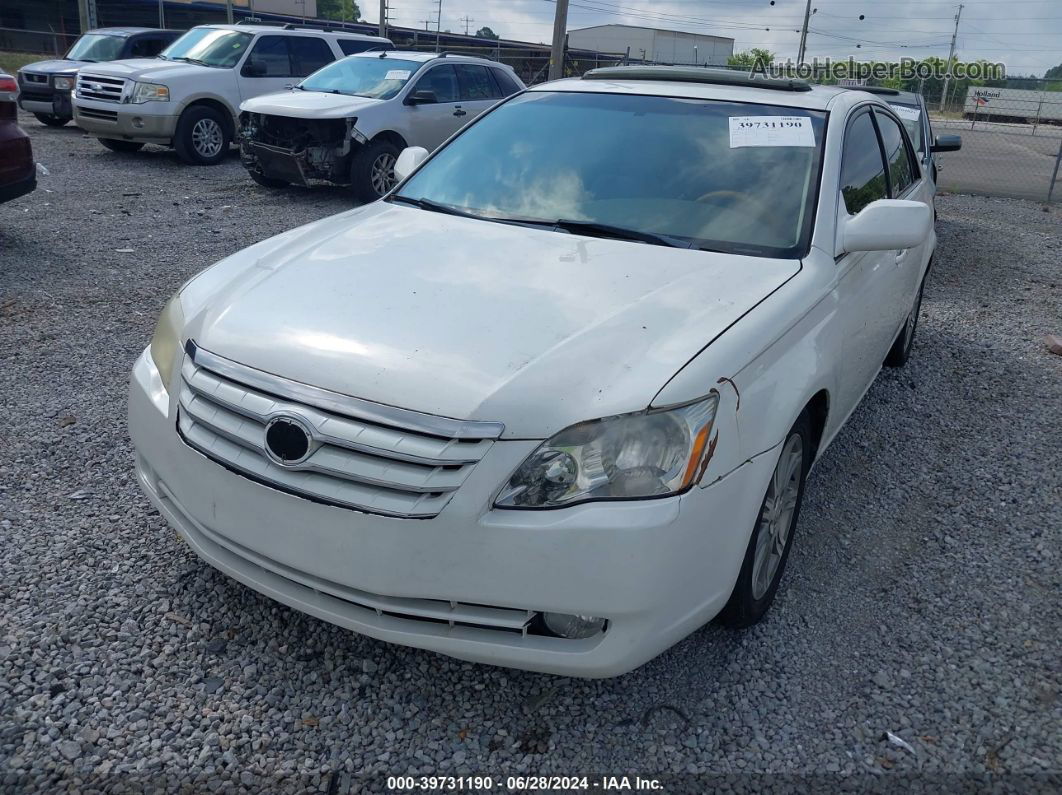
(486, 33)
(1054, 71)
(341, 10)
(748, 58)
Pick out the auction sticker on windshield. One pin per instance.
(904, 112)
(771, 131)
(397, 74)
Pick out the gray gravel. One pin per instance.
(922, 596)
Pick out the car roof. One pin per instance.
(423, 57)
(294, 31)
(129, 31)
(700, 83)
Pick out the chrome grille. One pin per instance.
(31, 77)
(363, 455)
(106, 89)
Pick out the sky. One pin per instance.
(1026, 35)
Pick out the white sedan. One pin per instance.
(552, 402)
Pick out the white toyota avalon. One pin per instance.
(552, 402)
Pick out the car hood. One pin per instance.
(471, 319)
(54, 67)
(308, 104)
(156, 68)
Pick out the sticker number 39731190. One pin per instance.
(771, 131)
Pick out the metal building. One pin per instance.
(654, 44)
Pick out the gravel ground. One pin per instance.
(921, 597)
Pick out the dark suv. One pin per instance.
(45, 86)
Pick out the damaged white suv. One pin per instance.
(348, 122)
(552, 402)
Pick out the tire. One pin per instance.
(202, 137)
(904, 343)
(51, 120)
(366, 180)
(268, 182)
(116, 145)
(772, 538)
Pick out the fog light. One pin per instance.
(569, 626)
(138, 122)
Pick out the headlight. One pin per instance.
(149, 92)
(63, 83)
(649, 454)
(166, 343)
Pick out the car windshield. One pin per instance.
(911, 116)
(380, 78)
(96, 47)
(726, 176)
(209, 47)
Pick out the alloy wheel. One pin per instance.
(776, 521)
(207, 138)
(382, 175)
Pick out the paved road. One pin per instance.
(1001, 160)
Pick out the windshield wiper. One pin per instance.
(594, 229)
(436, 207)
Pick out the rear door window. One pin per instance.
(507, 85)
(902, 169)
(862, 169)
(475, 84)
(351, 46)
(308, 55)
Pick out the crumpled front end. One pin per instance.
(295, 150)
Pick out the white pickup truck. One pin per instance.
(189, 96)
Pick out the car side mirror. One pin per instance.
(946, 143)
(422, 97)
(409, 160)
(887, 224)
(254, 69)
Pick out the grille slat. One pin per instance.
(352, 463)
(105, 89)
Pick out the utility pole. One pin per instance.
(951, 54)
(560, 30)
(426, 23)
(468, 21)
(162, 15)
(228, 12)
(438, 25)
(804, 33)
(86, 10)
(383, 18)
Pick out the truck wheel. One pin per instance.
(772, 537)
(268, 182)
(116, 145)
(51, 119)
(372, 171)
(202, 137)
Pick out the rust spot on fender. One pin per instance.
(707, 457)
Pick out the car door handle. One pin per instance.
(460, 112)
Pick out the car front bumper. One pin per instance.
(58, 105)
(464, 582)
(141, 123)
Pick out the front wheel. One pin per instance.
(116, 145)
(372, 171)
(202, 137)
(772, 538)
(51, 120)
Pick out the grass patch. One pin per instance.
(11, 62)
